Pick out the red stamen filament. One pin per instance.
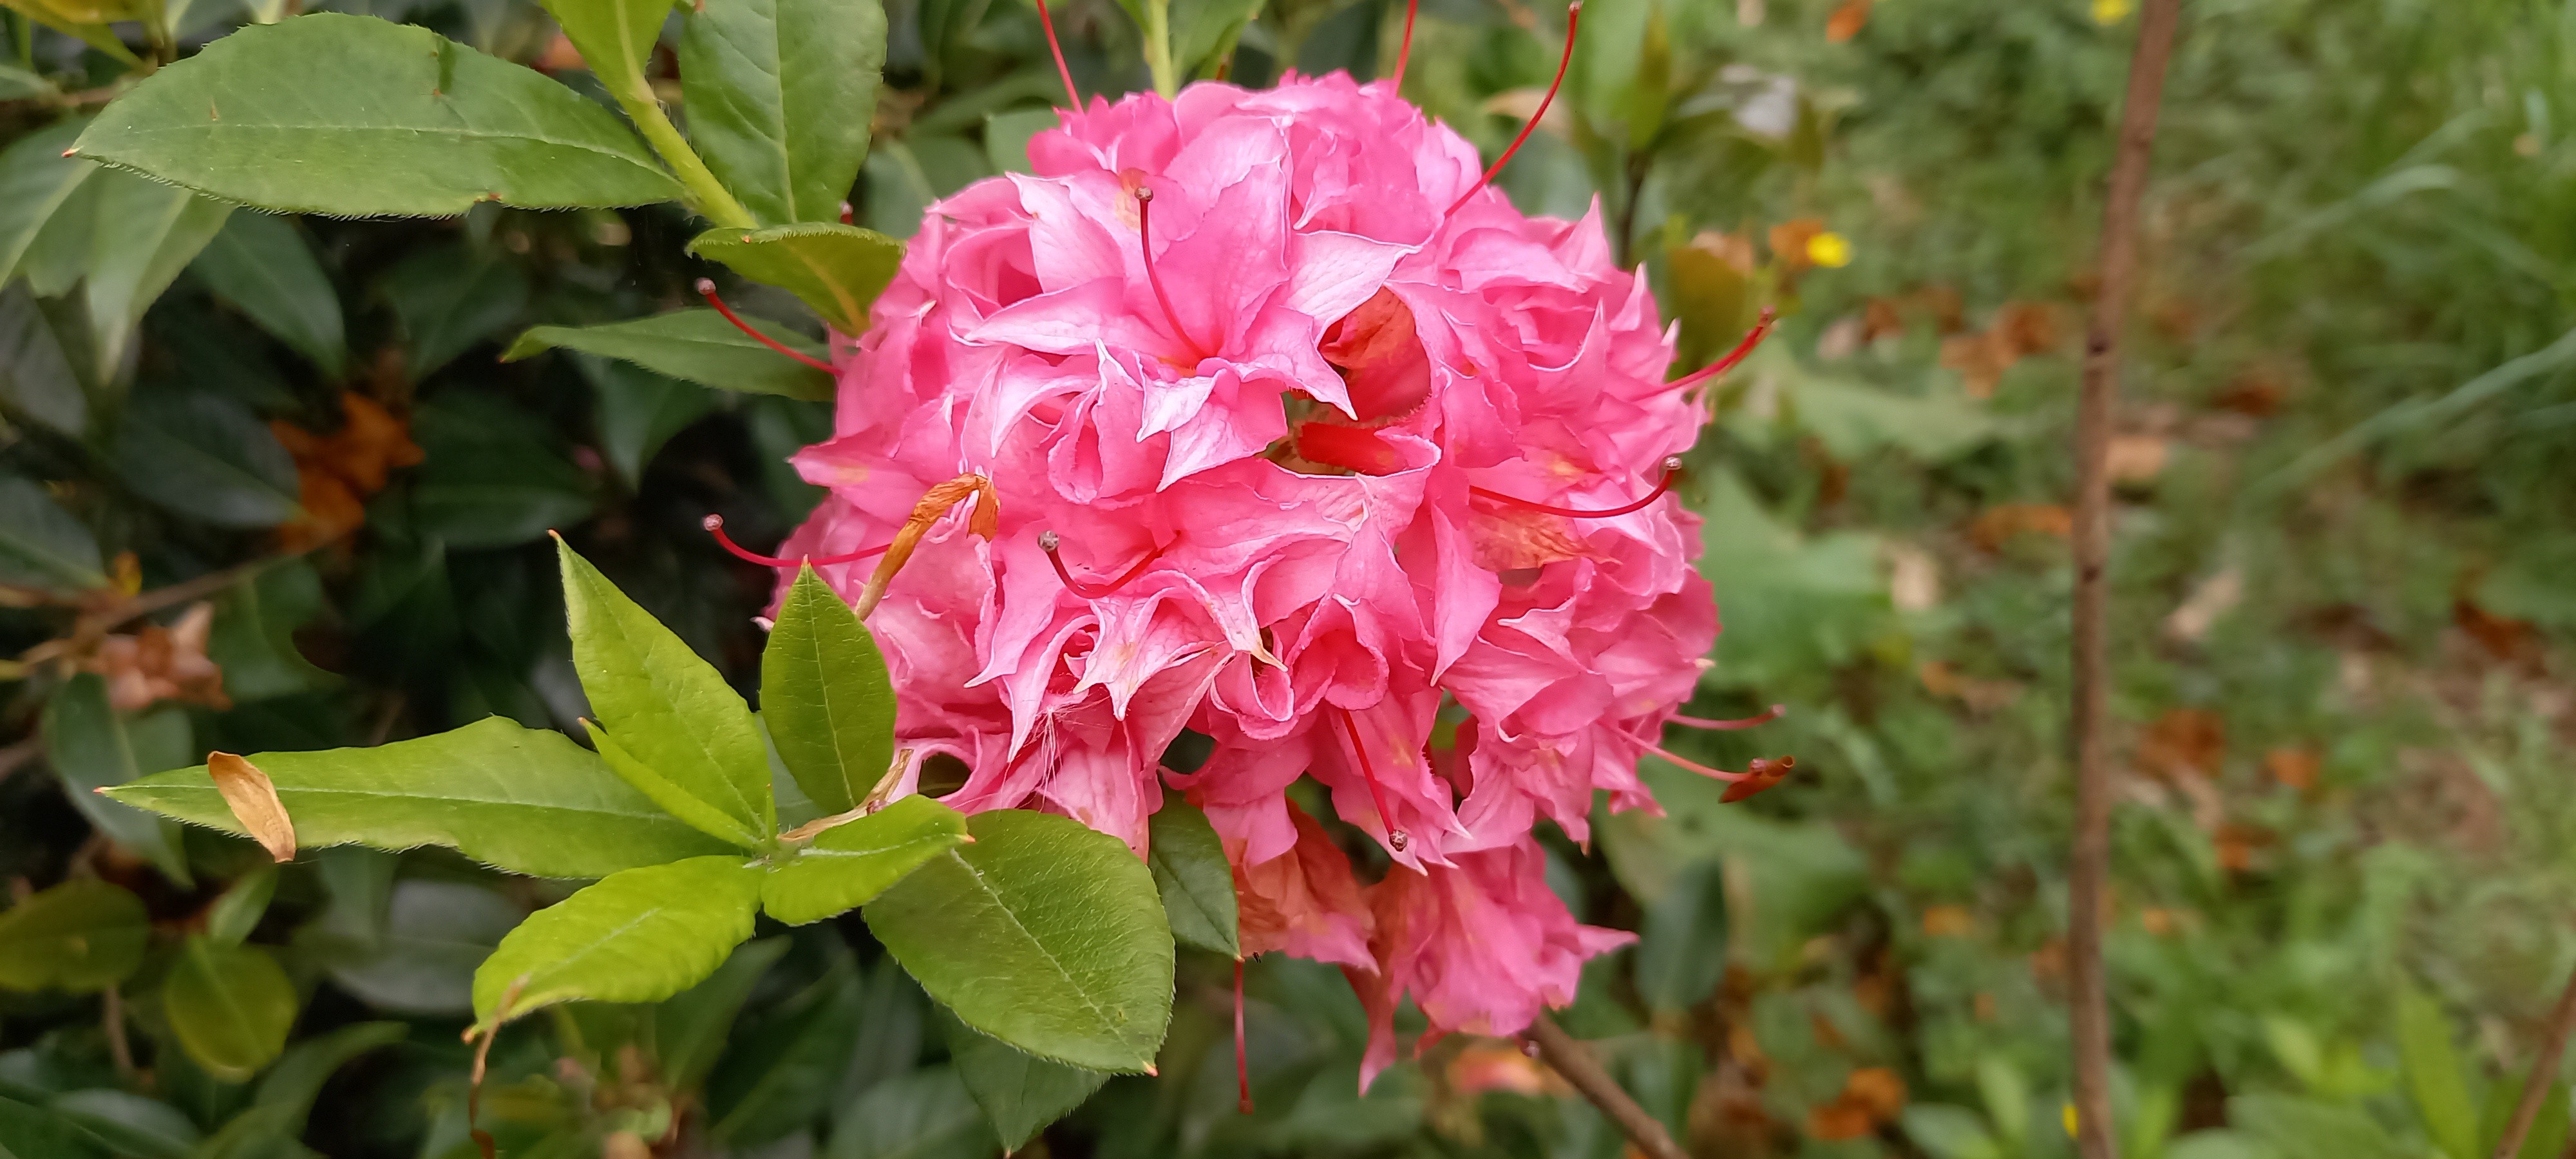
(1242, 1068)
(1760, 768)
(707, 290)
(1573, 16)
(1153, 272)
(1672, 470)
(1773, 713)
(1396, 839)
(716, 527)
(1752, 338)
(1047, 22)
(1403, 54)
(1048, 541)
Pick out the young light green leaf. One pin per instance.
(90, 747)
(697, 345)
(527, 801)
(850, 864)
(826, 698)
(205, 454)
(1045, 934)
(357, 117)
(43, 545)
(231, 1007)
(35, 178)
(675, 799)
(780, 94)
(238, 910)
(1196, 881)
(667, 707)
(261, 263)
(146, 233)
(82, 935)
(837, 269)
(642, 935)
(2433, 1075)
(1019, 1092)
(615, 38)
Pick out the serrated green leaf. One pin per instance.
(641, 935)
(667, 707)
(675, 799)
(231, 1007)
(850, 864)
(2433, 1075)
(82, 935)
(206, 455)
(357, 117)
(1043, 933)
(261, 263)
(837, 269)
(146, 233)
(826, 697)
(1196, 881)
(615, 38)
(1019, 1092)
(780, 94)
(527, 801)
(697, 345)
(35, 179)
(129, 1125)
(90, 747)
(43, 545)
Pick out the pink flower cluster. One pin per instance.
(1306, 441)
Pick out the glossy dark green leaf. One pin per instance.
(922, 1114)
(1045, 934)
(205, 455)
(1020, 1093)
(40, 384)
(146, 233)
(231, 1007)
(783, 1068)
(128, 1124)
(91, 747)
(35, 178)
(261, 263)
(691, 1028)
(898, 189)
(356, 117)
(837, 269)
(290, 1088)
(59, 255)
(82, 935)
(826, 698)
(525, 800)
(1196, 881)
(641, 935)
(31, 1132)
(492, 476)
(850, 864)
(780, 94)
(667, 707)
(449, 299)
(435, 934)
(639, 410)
(42, 545)
(254, 634)
(697, 345)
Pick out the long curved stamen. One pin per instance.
(1759, 769)
(715, 526)
(1242, 1068)
(1046, 21)
(1153, 271)
(707, 290)
(1573, 15)
(1403, 54)
(1752, 338)
(1396, 839)
(1773, 713)
(1048, 541)
(1672, 470)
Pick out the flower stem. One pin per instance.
(1158, 48)
(1569, 1058)
(706, 195)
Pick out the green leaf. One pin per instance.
(286, 1096)
(90, 747)
(667, 707)
(59, 255)
(615, 38)
(39, 382)
(641, 935)
(147, 233)
(1681, 950)
(34, 1133)
(784, 1066)
(1020, 1093)
(43, 545)
(127, 1124)
(2433, 1075)
(450, 298)
(1196, 881)
(231, 1007)
(82, 935)
(262, 264)
(780, 94)
(18, 84)
(1006, 137)
(690, 1030)
(1043, 933)
(254, 635)
(826, 698)
(527, 801)
(238, 910)
(639, 410)
(1201, 28)
(1794, 603)
(435, 934)
(676, 799)
(356, 117)
(697, 345)
(493, 475)
(2548, 1137)
(35, 179)
(852, 863)
(837, 269)
(921, 1114)
(205, 455)
(1947, 1132)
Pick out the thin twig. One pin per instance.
(18, 754)
(2088, 871)
(112, 1014)
(1573, 1060)
(2544, 1074)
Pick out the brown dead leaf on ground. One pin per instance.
(2295, 768)
(2238, 842)
(2505, 638)
(1847, 21)
(253, 800)
(2134, 460)
(1980, 695)
(1999, 524)
(2183, 741)
(153, 663)
(1948, 921)
(2017, 331)
(1789, 242)
(336, 472)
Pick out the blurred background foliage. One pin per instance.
(265, 484)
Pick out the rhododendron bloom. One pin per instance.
(1298, 436)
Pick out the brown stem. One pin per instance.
(1573, 1060)
(2088, 870)
(2544, 1073)
(112, 1014)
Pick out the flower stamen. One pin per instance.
(707, 290)
(1396, 839)
(1760, 773)
(1573, 16)
(1773, 713)
(1752, 338)
(715, 526)
(1404, 53)
(1153, 272)
(1672, 470)
(1048, 541)
(985, 522)
(1047, 22)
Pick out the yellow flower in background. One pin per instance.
(1830, 250)
(2066, 1111)
(2112, 11)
